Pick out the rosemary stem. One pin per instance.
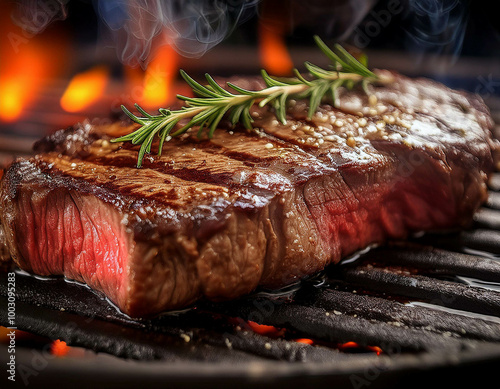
(289, 89)
(212, 102)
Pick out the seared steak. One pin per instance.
(216, 218)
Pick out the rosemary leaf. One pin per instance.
(212, 102)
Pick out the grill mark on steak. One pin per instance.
(195, 164)
(216, 218)
(195, 174)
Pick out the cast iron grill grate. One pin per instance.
(433, 303)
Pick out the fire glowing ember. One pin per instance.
(263, 329)
(354, 345)
(305, 341)
(59, 348)
(85, 89)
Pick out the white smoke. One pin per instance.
(138, 27)
(34, 16)
(436, 26)
(192, 27)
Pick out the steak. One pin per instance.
(216, 218)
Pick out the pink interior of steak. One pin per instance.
(74, 236)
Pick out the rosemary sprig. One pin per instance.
(214, 102)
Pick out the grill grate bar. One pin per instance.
(484, 240)
(116, 339)
(318, 323)
(487, 218)
(380, 309)
(439, 292)
(493, 200)
(278, 349)
(494, 183)
(436, 261)
(205, 327)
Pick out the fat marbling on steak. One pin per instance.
(216, 218)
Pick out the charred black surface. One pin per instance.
(104, 336)
(390, 311)
(439, 292)
(481, 239)
(430, 260)
(334, 326)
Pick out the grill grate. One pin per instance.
(429, 303)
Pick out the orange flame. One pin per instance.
(11, 99)
(274, 55)
(27, 63)
(59, 348)
(159, 78)
(85, 89)
(21, 80)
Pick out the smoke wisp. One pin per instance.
(192, 27)
(136, 28)
(436, 26)
(34, 16)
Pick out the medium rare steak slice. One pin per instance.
(216, 218)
